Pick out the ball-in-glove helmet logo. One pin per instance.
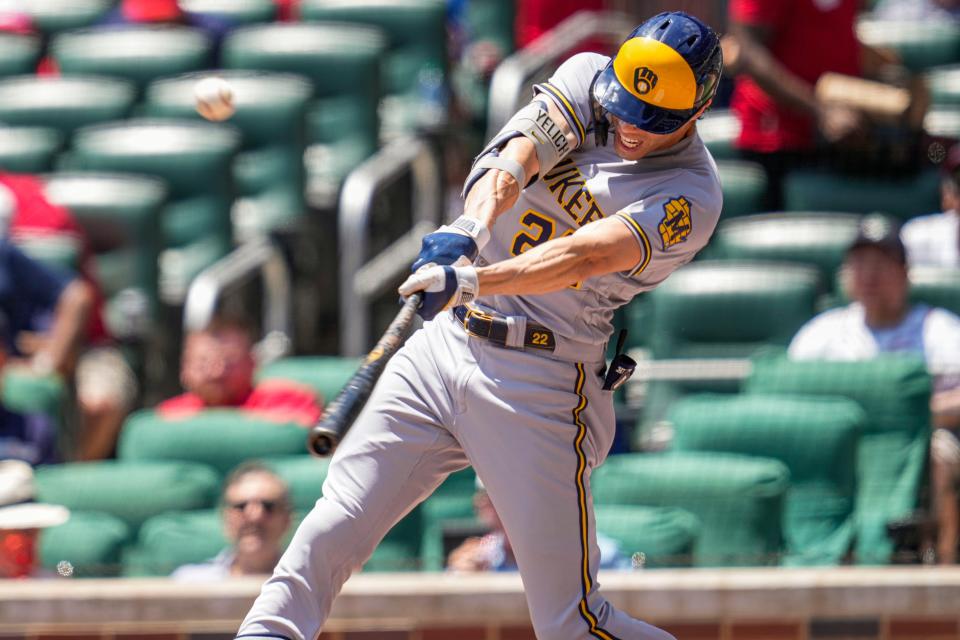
(644, 80)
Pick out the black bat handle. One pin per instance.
(326, 434)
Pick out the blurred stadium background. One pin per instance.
(747, 488)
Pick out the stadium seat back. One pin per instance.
(944, 83)
(140, 54)
(28, 149)
(816, 239)
(936, 286)
(121, 212)
(920, 45)
(815, 438)
(730, 309)
(219, 438)
(19, 54)
(133, 491)
(818, 190)
(91, 542)
(894, 392)
(744, 187)
(326, 375)
(737, 499)
(236, 12)
(652, 537)
(53, 16)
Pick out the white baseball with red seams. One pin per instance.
(214, 98)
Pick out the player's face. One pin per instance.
(218, 366)
(18, 552)
(633, 143)
(256, 515)
(876, 279)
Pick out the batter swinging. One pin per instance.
(595, 191)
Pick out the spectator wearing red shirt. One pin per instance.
(782, 48)
(217, 369)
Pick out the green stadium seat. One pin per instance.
(220, 438)
(53, 16)
(169, 540)
(23, 391)
(730, 309)
(28, 149)
(65, 103)
(815, 190)
(744, 187)
(236, 12)
(416, 62)
(131, 491)
(19, 54)
(343, 63)
(140, 54)
(895, 394)
(944, 83)
(663, 536)
(121, 215)
(938, 287)
(943, 122)
(195, 160)
(815, 438)
(719, 130)
(271, 115)
(737, 499)
(59, 252)
(816, 239)
(91, 542)
(921, 45)
(326, 375)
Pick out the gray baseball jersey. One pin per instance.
(671, 201)
(533, 422)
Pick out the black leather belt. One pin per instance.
(495, 329)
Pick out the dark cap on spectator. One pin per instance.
(877, 231)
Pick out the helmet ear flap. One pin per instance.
(601, 124)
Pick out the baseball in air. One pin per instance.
(214, 98)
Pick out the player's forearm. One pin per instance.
(497, 190)
(769, 74)
(599, 248)
(69, 328)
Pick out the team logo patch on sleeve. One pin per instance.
(676, 224)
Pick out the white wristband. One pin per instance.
(473, 228)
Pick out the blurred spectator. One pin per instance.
(53, 310)
(881, 320)
(106, 386)
(13, 19)
(217, 369)
(921, 10)
(288, 10)
(934, 239)
(492, 552)
(536, 17)
(147, 12)
(780, 48)
(256, 515)
(21, 520)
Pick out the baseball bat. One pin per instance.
(339, 416)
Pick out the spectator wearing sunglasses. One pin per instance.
(256, 515)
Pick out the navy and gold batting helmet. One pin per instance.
(663, 73)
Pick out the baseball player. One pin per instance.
(593, 192)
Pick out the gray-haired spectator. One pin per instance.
(256, 515)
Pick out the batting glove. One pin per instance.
(464, 238)
(443, 286)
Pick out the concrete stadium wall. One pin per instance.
(915, 603)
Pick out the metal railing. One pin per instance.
(362, 277)
(235, 270)
(514, 75)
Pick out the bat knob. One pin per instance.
(322, 442)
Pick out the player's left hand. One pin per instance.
(443, 286)
(463, 238)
